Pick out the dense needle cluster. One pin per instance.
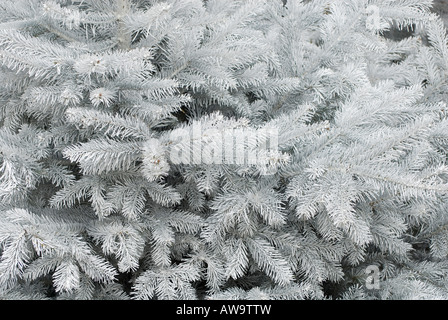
(115, 116)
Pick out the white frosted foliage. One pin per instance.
(215, 149)
(154, 160)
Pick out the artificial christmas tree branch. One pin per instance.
(190, 149)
